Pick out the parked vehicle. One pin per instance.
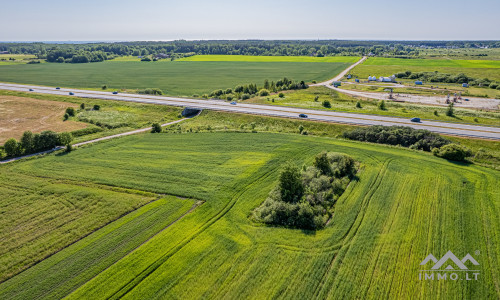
(416, 120)
(303, 116)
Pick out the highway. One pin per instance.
(473, 131)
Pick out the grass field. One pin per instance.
(387, 66)
(249, 58)
(179, 78)
(397, 212)
(18, 59)
(18, 114)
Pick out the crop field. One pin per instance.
(389, 219)
(18, 114)
(177, 78)
(387, 66)
(249, 58)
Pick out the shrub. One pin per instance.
(381, 105)
(327, 104)
(156, 128)
(245, 96)
(66, 116)
(281, 95)
(96, 107)
(316, 98)
(104, 87)
(70, 111)
(301, 128)
(452, 152)
(69, 148)
(450, 111)
(358, 104)
(65, 138)
(82, 106)
(436, 113)
(263, 93)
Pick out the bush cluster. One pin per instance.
(419, 139)
(452, 152)
(149, 91)
(305, 198)
(33, 143)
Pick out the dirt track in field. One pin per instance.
(18, 114)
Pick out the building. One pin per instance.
(336, 83)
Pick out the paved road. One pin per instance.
(90, 142)
(274, 110)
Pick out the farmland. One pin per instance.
(249, 58)
(397, 212)
(388, 66)
(18, 114)
(177, 78)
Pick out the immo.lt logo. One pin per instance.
(449, 267)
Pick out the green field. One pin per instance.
(249, 58)
(178, 78)
(387, 66)
(398, 211)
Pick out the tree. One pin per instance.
(104, 87)
(28, 142)
(322, 163)
(316, 98)
(70, 111)
(450, 111)
(290, 184)
(97, 107)
(66, 116)
(82, 106)
(301, 128)
(358, 104)
(11, 147)
(65, 138)
(156, 128)
(326, 104)
(381, 105)
(281, 95)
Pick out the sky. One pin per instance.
(126, 20)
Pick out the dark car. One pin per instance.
(303, 116)
(233, 103)
(71, 93)
(31, 90)
(115, 92)
(417, 120)
(58, 88)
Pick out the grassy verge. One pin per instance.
(341, 102)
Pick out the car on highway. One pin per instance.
(58, 88)
(71, 93)
(115, 92)
(302, 116)
(234, 103)
(416, 120)
(31, 90)
(466, 99)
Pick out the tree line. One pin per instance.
(36, 142)
(248, 91)
(242, 47)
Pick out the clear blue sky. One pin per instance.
(92, 20)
